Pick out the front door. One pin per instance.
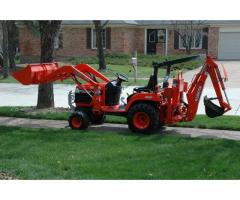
(151, 41)
(156, 38)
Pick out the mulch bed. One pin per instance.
(6, 176)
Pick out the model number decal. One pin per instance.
(198, 94)
(148, 97)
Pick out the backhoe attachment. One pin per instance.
(212, 110)
(210, 68)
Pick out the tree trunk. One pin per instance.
(188, 50)
(12, 42)
(48, 32)
(5, 50)
(99, 41)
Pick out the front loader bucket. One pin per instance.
(35, 73)
(212, 110)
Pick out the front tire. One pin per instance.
(79, 120)
(143, 118)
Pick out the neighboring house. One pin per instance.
(218, 38)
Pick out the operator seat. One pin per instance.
(113, 92)
(149, 87)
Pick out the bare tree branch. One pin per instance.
(186, 31)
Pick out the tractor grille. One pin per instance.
(82, 97)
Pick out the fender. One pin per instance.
(141, 97)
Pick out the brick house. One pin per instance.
(218, 38)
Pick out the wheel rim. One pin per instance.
(141, 120)
(76, 122)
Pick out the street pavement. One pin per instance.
(19, 95)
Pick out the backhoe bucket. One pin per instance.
(212, 110)
(35, 73)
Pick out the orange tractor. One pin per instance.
(147, 108)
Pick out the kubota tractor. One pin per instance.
(147, 108)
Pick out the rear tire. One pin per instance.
(79, 120)
(143, 118)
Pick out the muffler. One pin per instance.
(212, 110)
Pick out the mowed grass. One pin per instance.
(143, 74)
(142, 77)
(65, 154)
(201, 121)
(119, 63)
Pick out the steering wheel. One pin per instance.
(121, 77)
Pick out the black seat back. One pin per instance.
(113, 92)
(151, 83)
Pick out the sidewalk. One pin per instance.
(188, 132)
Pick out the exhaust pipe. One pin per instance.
(212, 110)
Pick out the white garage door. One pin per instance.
(229, 45)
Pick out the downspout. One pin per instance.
(166, 43)
(145, 41)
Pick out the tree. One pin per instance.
(5, 49)
(48, 31)
(1, 44)
(12, 42)
(8, 46)
(186, 30)
(99, 27)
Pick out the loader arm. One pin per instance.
(50, 72)
(195, 91)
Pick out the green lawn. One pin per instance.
(201, 121)
(143, 72)
(119, 63)
(143, 60)
(28, 153)
(10, 79)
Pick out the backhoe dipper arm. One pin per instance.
(195, 91)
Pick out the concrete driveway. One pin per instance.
(19, 95)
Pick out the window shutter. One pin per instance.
(205, 38)
(89, 38)
(108, 38)
(176, 40)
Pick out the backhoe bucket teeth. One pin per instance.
(35, 73)
(212, 110)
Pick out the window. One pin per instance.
(94, 38)
(58, 43)
(161, 35)
(196, 39)
(151, 36)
